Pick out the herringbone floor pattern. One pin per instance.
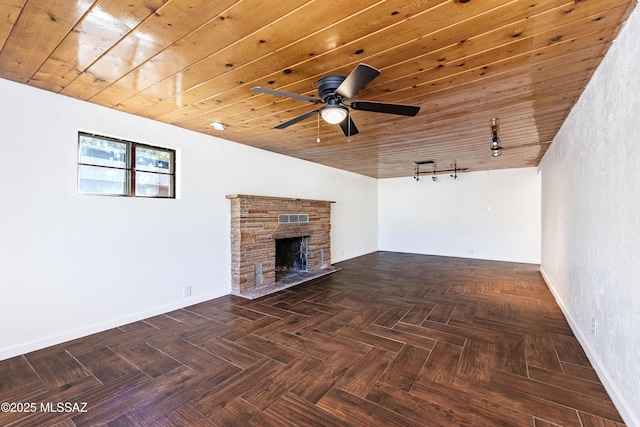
(390, 340)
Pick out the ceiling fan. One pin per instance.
(334, 91)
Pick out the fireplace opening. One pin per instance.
(292, 256)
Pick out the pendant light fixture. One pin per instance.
(496, 148)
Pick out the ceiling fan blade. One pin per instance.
(287, 94)
(359, 77)
(348, 127)
(297, 119)
(383, 107)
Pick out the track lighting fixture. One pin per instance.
(435, 172)
(496, 148)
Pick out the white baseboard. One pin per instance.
(351, 256)
(623, 406)
(468, 256)
(39, 344)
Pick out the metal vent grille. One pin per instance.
(292, 218)
(258, 271)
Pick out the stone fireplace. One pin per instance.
(278, 242)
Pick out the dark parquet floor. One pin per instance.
(390, 340)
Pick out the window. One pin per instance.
(112, 167)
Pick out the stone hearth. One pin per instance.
(256, 223)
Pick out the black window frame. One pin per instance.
(131, 167)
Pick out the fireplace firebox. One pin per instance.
(291, 256)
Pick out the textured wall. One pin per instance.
(591, 219)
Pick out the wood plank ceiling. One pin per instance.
(190, 63)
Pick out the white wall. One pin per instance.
(485, 215)
(71, 265)
(591, 220)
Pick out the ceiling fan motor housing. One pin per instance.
(327, 86)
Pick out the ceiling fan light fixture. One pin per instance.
(333, 114)
(333, 91)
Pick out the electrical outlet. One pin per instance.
(186, 291)
(594, 326)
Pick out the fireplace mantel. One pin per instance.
(255, 226)
(254, 197)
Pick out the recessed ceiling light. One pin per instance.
(217, 126)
